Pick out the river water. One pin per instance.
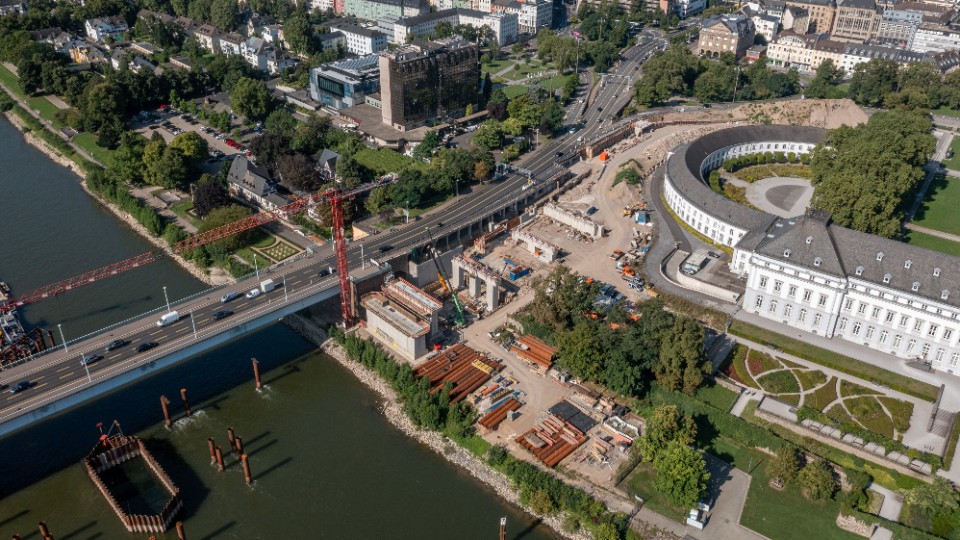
(326, 463)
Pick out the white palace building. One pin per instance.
(813, 275)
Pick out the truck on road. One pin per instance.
(267, 286)
(168, 319)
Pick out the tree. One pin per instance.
(481, 171)
(224, 15)
(873, 80)
(681, 474)
(380, 199)
(268, 147)
(488, 135)
(938, 498)
(209, 194)
(666, 424)
(824, 82)
(524, 109)
(667, 74)
(581, 351)
(126, 162)
(164, 165)
(298, 34)
(551, 116)
(280, 121)
(192, 146)
(682, 364)
(250, 98)
(785, 464)
(222, 216)
(541, 503)
(864, 175)
(297, 172)
(817, 481)
(716, 83)
(443, 30)
(431, 140)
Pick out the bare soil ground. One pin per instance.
(825, 113)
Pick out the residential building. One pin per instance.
(505, 26)
(321, 5)
(362, 40)
(821, 13)
(855, 20)
(534, 15)
(420, 83)
(145, 48)
(271, 33)
(208, 37)
(344, 83)
(776, 8)
(231, 44)
(806, 53)
(374, 10)
(326, 164)
(332, 40)
(727, 33)
(796, 19)
(104, 29)
(181, 62)
(10, 7)
(256, 23)
(279, 61)
(898, 26)
(755, 53)
(935, 38)
(85, 53)
(255, 52)
(422, 26)
(792, 50)
(688, 8)
(61, 41)
(858, 53)
(252, 183)
(766, 26)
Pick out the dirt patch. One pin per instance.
(824, 113)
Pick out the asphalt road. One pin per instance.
(60, 373)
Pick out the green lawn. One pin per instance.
(902, 412)
(780, 382)
(868, 412)
(934, 243)
(46, 109)
(824, 395)
(281, 251)
(943, 111)
(88, 141)
(514, 90)
(848, 389)
(938, 210)
(836, 361)
(640, 483)
(384, 160)
(11, 82)
(787, 514)
(954, 161)
(811, 379)
(717, 396)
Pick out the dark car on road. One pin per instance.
(115, 344)
(384, 249)
(324, 273)
(146, 346)
(222, 315)
(90, 359)
(20, 387)
(559, 154)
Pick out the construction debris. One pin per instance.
(461, 366)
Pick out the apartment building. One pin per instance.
(728, 33)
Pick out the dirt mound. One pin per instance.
(825, 113)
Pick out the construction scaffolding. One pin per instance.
(545, 251)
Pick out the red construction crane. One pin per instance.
(334, 196)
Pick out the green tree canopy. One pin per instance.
(682, 364)
(666, 424)
(817, 480)
(223, 215)
(785, 464)
(250, 98)
(938, 498)
(681, 474)
(192, 146)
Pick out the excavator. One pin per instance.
(459, 319)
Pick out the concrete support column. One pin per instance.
(493, 296)
(474, 287)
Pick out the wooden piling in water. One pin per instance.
(232, 439)
(44, 532)
(247, 477)
(181, 534)
(213, 449)
(15, 537)
(220, 459)
(166, 411)
(239, 445)
(186, 402)
(256, 373)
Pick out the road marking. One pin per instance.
(62, 377)
(40, 385)
(182, 330)
(134, 341)
(114, 356)
(64, 368)
(157, 332)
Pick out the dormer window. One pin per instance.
(944, 294)
(915, 287)
(817, 261)
(786, 253)
(936, 272)
(879, 256)
(809, 240)
(859, 270)
(907, 264)
(886, 278)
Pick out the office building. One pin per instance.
(345, 83)
(728, 33)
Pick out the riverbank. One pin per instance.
(218, 277)
(443, 446)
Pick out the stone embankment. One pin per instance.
(214, 278)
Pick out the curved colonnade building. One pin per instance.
(811, 274)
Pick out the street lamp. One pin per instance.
(62, 340)
(363, 263)
(255, 267)
(87, 369)
(193, 323)
(407, 213)
(165, 297)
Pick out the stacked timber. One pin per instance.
(460, 366)
(559, 439)
(499, 413)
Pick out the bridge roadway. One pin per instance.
(59, 376)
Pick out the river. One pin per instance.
(326, 463)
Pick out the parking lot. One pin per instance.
(169, 124)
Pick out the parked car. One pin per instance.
(146, 346)
(253, 293)
(713, 254)
(115, 344)
(90, 359)
(229, 297)
(20, 387)
(220, 315)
